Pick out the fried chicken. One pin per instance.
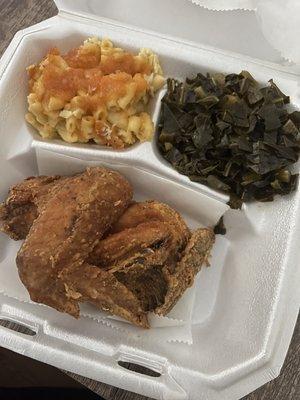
(191, 260)
(150, 223)
(20, 209)
(86, 241)
(152, 252)
(51, 261)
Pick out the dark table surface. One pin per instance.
(19, 14)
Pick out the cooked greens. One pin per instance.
(230, 134)
(220, 228)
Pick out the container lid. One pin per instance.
(278, 20)
(184, 20)
(222, 5)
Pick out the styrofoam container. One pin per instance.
(244, 315)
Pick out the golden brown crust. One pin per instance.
(123, 247)
(151, 210)
(68, 227)
(105, 291)
(193, 257)
(147, 236)
(88, 242)
(19, 210)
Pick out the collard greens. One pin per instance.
(230, 134)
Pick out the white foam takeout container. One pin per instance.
(244, 323)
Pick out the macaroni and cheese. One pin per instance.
(96, 92)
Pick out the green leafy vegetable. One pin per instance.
(230, 134)
(220, 228)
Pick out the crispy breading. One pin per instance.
(154, 210)
(151, 251)
(86, 241)
(68, 227)
(147, 236)
(101, 288)
(194, 256)
(124, 247)
(19, 210)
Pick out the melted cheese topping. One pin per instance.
(95, 85)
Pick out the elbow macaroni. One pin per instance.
(96, 92)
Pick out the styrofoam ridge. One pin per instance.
(188, 342)
(105, 321)
(178, 333)
(173, 321)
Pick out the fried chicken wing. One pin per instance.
(68, 227)
(135, 256)
(154, 211)
(87, 283)
(126, 246)
(151, 251)
(86, 241)
(192, 258)
(20, 209)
